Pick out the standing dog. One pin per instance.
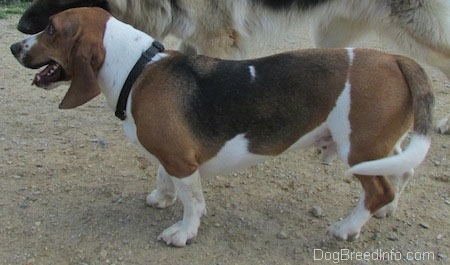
(201, 116)
(227, 29)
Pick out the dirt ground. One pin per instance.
(73, 191)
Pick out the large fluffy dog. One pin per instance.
(201, 116)
(227, 29)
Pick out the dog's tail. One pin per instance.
(423, 101)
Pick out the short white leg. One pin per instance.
(191, 195)
(349, 228)
(165, 193)
(399, 183)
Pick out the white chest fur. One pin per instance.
(124, 45)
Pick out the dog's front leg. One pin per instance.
(165, 194)
(189, 190)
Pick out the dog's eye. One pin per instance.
(50, 29)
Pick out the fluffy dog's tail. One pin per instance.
(423, 101)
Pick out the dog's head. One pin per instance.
(36, 17)
(71, 48)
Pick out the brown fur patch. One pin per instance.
(159, 121)
(378, 191)
(388, 114)
(385, 99)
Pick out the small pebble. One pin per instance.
(374, 236)
(424, 225)
(282, 235)
(436, 163)
(103, 253)
(316, 211)
(392, 237)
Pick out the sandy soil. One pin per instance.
(73, 191)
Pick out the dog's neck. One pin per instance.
(124, 45)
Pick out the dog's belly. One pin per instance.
(234, 155)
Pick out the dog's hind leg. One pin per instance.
(377, 192)
(165, 194)
(337, 32)
(399, 182)
(189, 190)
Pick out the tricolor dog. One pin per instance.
(200, 116)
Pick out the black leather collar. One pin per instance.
(146, 57)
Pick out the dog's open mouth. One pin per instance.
(52, 73)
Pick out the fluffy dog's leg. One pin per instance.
(187, 49)
(191, 195)
(442, 62)
(165, 193)
(336, 32)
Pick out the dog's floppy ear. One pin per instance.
(85, 62)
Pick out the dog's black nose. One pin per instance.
(16, 48)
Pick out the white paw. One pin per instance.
(387, 210)
(178, 235)
(344, 231)
(327, 157)
(158, 200)
(443, 125)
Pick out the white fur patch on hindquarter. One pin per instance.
(233, 156)
(339, 124)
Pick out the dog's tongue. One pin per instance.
(50, 74)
